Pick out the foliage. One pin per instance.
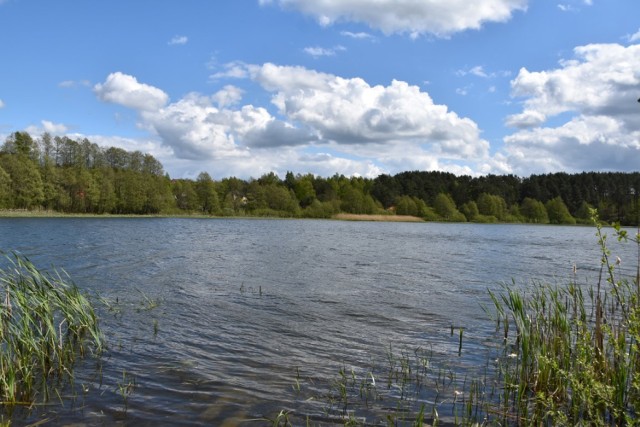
(78, 176)
(445, 207)
(492, 205)
(534, 211)
(558, 212)
(470, 210)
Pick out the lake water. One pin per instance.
(244, 307)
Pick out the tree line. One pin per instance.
(62, 174)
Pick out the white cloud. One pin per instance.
(2, 104)
(196, 129)
(74, 83)
(124, 89)
(233, 70)
(479, 71)
(414, 17)
(178, 40)
(47, 126)
(634, 37)
(566, 7)
(595, 96)
(227, 96)
(322, 51)
(359, 35)
(325, 123)
(350, 111)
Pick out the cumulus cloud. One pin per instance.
(350, 111)
(357, 128)
(178, 40)
(201, 127)
(595, 95)
(2, 104)
(440, 18)
(125, 90)
(227, 96)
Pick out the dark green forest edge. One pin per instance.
(60, 174)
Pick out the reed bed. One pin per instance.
(571, 355)
(46, 324)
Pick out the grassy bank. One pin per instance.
(389, 218)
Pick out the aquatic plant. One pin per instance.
(46, 324)
(574, 358)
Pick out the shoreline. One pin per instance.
(19, 213)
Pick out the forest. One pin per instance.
(61, 174)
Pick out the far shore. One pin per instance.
(24, 213)
(19, 213)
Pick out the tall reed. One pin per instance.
(46, 323)
(574, 358)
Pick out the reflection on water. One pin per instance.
(247, 305)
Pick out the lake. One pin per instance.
(220, 321)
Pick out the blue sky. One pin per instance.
(357, 87)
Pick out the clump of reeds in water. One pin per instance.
(46, 323)
(571, 356)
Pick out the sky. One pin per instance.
(355, 87)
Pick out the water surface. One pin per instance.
(244, 303)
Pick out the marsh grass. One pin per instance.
(570, 355)
(46, 324)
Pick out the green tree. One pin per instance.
(280, 199)
(405, 205)
(207, 195)
(185, 195)
(533, 210)
(5, 189)
(81, 188)
(470, 210)
(303, 188)
(26, 182)
(356, 202)
(107, 201)
(21, 143)
(492, 205)
(558, 212)
(445, 207)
